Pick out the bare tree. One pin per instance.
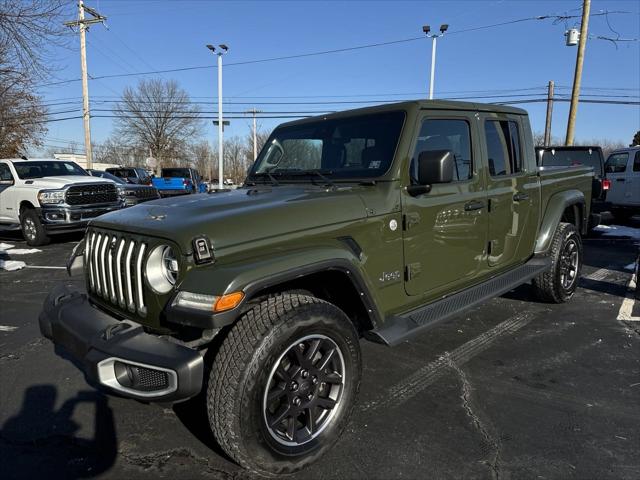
(158, 115)
(636, 139)
(116, 152)
(236, 161)
(204, 159)
(22, 113)
(31, 28)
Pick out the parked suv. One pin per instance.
(131, 193)
(43, 197)
(375, 223)
(623, 170)
(131, 174)
(574, 156)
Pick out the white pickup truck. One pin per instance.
(44, 197)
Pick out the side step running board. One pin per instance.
(399, 327)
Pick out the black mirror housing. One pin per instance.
(435, 166)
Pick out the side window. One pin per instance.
(617, 162)
(446, 134)
(5, 173)
(504, 154)
(636, 162)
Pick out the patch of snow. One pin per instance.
(618, 231)
(11, 265)
(6, 246)
(22, 251)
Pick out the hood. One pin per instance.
(238, 216)
(59, 182)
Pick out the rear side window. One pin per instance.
(636, 162)
(446, 134)
(503, 147)
(5, 173)
(122, 172)
(617, 162)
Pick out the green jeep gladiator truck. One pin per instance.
(374, 223)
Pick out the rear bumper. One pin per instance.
(119, 354)
(173, 193)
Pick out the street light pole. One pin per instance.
(434, 42)
(222, 49)
(220, 126)
(434, 38)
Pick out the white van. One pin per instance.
(622, 168)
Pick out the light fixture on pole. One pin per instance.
(220, 51)
(434, 37)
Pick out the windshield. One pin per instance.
(37, 169)
(175, 172)
(350, 147)
(569, 158)
(107, 175)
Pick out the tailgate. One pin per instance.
(170, 183)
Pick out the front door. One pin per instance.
(511, 190)
(445, 230)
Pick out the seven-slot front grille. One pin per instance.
(91, 194)
(115, 265)
(146, 193)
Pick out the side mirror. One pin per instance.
(434, 166)
(7, 182)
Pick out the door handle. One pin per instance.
(518, 197)
(473, 205)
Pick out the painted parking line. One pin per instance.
(46, 267)
(626, 309)
(430, 373)
(7, 328)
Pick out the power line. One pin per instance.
(323, 52)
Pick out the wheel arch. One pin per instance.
(568, 206)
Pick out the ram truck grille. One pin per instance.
(91, 194)
(115, 264)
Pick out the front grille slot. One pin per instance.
(115, 269)
(91, 194)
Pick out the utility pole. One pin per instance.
(222, 49)
(577, 77)
(547, 126)
(254, 112)
(83, 25)
(434, 37)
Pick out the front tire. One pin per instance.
(283, 385)
(559, 283)
(32, 229)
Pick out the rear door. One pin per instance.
(7, 209)
(616, 171)
(445, 230)
(632, 181)
(511, 188)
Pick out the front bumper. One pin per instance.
(64, 218)
(119, 354)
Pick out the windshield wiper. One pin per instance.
(320, 173)
(274, 182)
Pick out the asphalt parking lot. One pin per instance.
(513, 389)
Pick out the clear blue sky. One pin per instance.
(148, 35)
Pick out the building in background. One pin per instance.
(82, 160)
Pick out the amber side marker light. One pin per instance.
(228, 301)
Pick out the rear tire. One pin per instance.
(32, 229)
(283, 385)
(559, 283)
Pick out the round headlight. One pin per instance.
(162, 269)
